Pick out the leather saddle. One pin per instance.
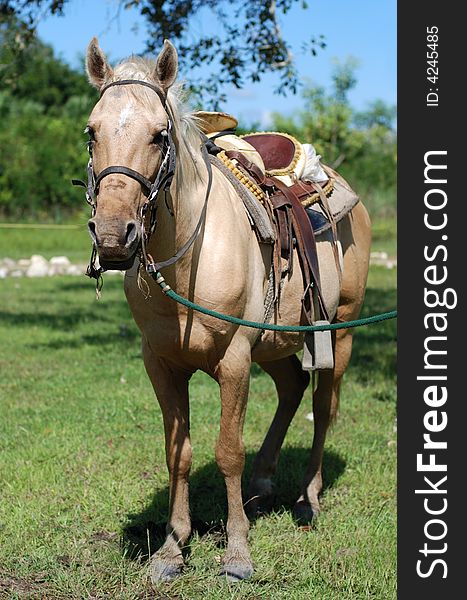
(280, 152)
(274, 163)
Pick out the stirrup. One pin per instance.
(317, 349)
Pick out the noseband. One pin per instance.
(150, 189)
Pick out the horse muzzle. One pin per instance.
(116, 242)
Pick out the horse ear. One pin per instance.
(97, 67)
(167, 65)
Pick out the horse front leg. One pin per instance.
(233, 375)
(171, 387)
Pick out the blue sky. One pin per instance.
(364, 29)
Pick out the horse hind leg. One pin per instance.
(291, 382)
(325, 405)
(355, 235)
(171, 387)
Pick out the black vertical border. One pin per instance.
(422, 129)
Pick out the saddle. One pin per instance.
(281, 153)
(287, 178)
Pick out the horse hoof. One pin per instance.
(303, 513)
(259, 506)
(162, 570)
(260, 497)
(236, 572)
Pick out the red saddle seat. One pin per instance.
(278, 151)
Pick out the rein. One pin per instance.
(150, 265)
(168, 291)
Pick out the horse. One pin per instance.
(223, 267)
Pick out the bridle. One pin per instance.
(149, 188)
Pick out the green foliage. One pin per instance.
(44, 105)
(30, 70)
(246, 43)
(42, 153)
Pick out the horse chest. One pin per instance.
(189, 341)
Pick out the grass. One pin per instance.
(24, 240)
(384, 236)
(83, 485)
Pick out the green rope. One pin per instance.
(168, 291)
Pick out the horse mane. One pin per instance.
(186, 132)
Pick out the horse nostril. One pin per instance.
(131, 233)
(92, 231)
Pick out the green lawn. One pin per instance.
(24, 240)
(83, 485)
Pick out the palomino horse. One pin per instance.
(225, 269)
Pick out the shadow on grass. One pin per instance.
(69, 310)
(145, 531)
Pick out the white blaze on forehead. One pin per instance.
(125, 114)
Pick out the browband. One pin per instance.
(158, 91)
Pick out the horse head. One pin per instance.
(127, 139)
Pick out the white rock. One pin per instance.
(379, 255)
(3, 272)
(16, 273)
(24, 262)
(74, 270)
(51, 270)
(37, 258)
(59, 265)
(39, 267)
(60, 261)
(8, 262)
(37, 271)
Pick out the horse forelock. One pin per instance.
(185, 124)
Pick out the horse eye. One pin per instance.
(159, 137)
(90, 143)
(90, 131)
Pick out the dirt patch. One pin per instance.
(32, 587)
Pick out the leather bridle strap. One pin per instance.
(152, 267)
(146, 184)
(150, 190)
(159, 92)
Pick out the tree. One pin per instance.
(43, 152)
(362, 145)
(44, 105)
(33, 72)
(246, 44)
(326, 118)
